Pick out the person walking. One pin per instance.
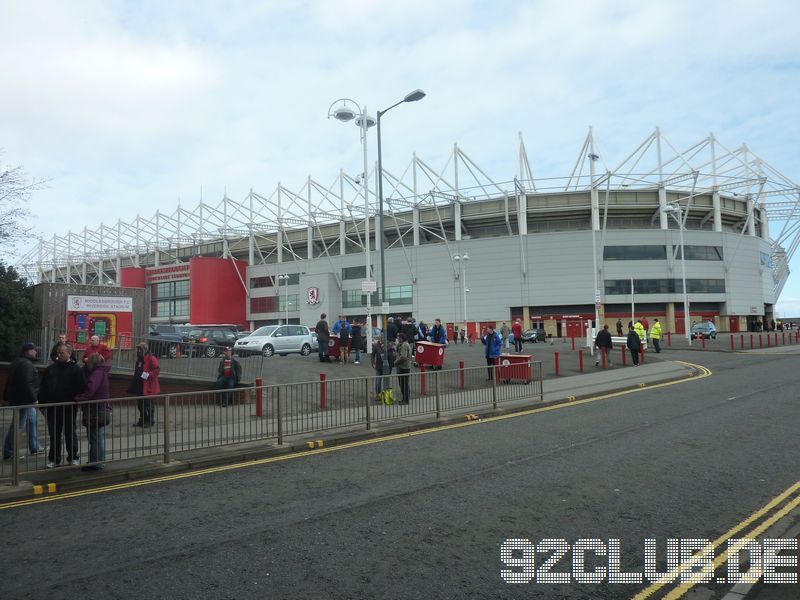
(516, 329)
(492, 347)
(62, 339)
(504, 331)
(229, 373)
(403, 365)
(634, 343)
(22, 389)
(639, 329)
(342, 328)
(655, 335)
(604, 345)
(323, 337)
(145, 384)
(357, 340)
(95, 416)
(619, 327)
(61, 382)
(96, 347)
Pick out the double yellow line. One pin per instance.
(702, 372)
(782, 505)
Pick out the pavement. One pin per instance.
(394, 420)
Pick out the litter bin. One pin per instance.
(430, 354)
(333, 346)
(514, 366)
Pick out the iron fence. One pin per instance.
(195, 420)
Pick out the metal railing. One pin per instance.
(196, 420)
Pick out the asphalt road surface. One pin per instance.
(425, 516)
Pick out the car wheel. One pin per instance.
(172, 351)
(211, 351)
(268, 351)
(305, 350)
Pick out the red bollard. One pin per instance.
(573, 342)
(732, 343)
(741, 341)
(555, 354)
(259, 396)
(423, 381)
(603, 355)
(703, 341)
(323, 392)
(669, 338)
(461, 372)
(751, 341)
(580, 361)
(624, 355)
(769, 340)
(783, 338)
(641, 354)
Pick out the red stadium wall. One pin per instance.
(132, 277)
(216, 293)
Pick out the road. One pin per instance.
(425, 515)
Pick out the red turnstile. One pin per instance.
(333, 346)
(430, 354)
(514, 366)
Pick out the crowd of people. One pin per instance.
(69, 387)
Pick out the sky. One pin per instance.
(130, 107)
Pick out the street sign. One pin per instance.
(385, 308)
(369, 286)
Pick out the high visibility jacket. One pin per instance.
(655, 331)
(639, 328)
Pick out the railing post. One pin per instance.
(167, 427)
(461, 373)
(15, 421)
(323, 392)
(259, 397)
(436, 393)
(279, 408)
(367, 403)
(494, 387)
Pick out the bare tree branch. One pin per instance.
(15, 190)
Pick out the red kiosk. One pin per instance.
(514, 366)
(430, 354)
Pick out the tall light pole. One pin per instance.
(346, 111)
(462, 260)
(285, 278)
(410, 97)
(672, 209)
(594, 208)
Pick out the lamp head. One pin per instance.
(593, 157)
(414, 96)
(370, 120)
(344, 114)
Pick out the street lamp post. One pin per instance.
(285, 278)
(672, 209)
(594, 207)
(463, 264)
(411, 97)
(364, 121)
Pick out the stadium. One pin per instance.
(608, 240)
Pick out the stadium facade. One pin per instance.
(550, 251)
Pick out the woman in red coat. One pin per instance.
(145, 384)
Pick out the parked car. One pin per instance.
(165, 339)
(276, 339)
(210, 340)
(534, 335)
(704, 329)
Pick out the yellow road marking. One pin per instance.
(704, 372)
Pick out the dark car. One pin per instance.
(165, 339)
(705, 329)
(210, 340)
(534, 335)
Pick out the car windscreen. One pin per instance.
(266, 330)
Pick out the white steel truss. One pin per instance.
(319, 221)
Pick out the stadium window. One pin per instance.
(635, 253)
(700, 253)
(354, 272)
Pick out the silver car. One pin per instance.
(276, 339)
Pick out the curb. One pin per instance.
(28, 490)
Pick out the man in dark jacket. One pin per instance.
(229, 374)
(323, 336)
(391, 330)
(61, 382)
(438, 335)
(634, 343)
(22, 388)
(604, 344)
